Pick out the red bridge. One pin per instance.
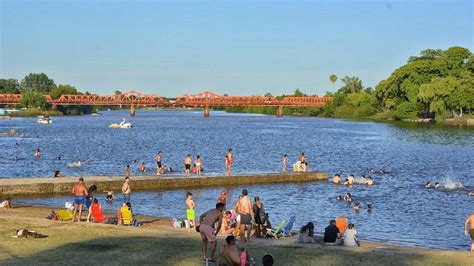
(204, 99)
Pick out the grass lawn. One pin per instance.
(158, 243)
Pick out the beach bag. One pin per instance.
(68, 205)
(64, 214)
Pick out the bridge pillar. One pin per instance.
(206, 111)
(132, 110)
(279, 111)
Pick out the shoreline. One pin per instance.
(181, 247)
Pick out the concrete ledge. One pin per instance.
(45, 186)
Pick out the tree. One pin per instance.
(61, 89)
(117, 92)
(333, 79)
(351, 85)
(32, 99)
(268, 94)
(435, 93)
(299, 93)
(37, 83)
(9, 86)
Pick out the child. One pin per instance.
(190, 212)
(110, 196)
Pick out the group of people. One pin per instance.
(241, 221)
(338, 232)
(351, 180)
(84, 198)
(357, 206)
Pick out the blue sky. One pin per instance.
(234, 47)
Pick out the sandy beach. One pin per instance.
(156, 242)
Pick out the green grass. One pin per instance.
(94, 244)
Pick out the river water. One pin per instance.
(404, 211)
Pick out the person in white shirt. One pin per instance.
(350, 238)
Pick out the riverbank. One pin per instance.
(45, 185)
(158, 243)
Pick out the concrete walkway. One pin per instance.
(63, 185)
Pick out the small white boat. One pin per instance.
(123, 124)
(45, 120)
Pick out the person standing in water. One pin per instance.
(126, 190)
(198, 163)
(159, 166)
(187, 164)
(37, 153)
(302, 160)
(190, 212)
(470, 221)
(128, 170)
(229, 161)
(80, 191)
(284, 162)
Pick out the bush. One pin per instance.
(405, 110)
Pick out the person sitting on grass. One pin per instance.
(7, 203)
(233, 254)
(226, 228)
(95, 211)
(306, 234)
(332, 235)
(124, 214)
(350, 238)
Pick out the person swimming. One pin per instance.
(370, 181)
(369, 207)
(437, 185)
(339, 197)
(428, 184)
(336, 179)
(357, 206)
(110, 196)
(348, 197)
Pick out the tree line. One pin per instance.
(34, 86)
(437, 84)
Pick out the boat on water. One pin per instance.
(123, 124)
(45, 120)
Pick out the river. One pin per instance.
(405, 212)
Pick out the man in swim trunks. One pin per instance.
(207, 221)
(80, 191)
(159, 166)
(229, 160)
(187, 165)
(244, 209)
(190, 212)
(126, 190)
(470, 221)
(234, 255)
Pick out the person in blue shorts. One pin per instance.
(80, 191)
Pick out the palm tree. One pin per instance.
(333, 79)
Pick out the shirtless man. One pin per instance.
(159, 166)
(190, 212)
(370, 181)
(187, 165)
(126, 190)
(207, 221)
(284, 162)
(350, 180)
(233, 254)
(244, 209)
(336, 179)
(229, 160)
(80, 191)
(470, 221)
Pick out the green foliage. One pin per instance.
(441, 80)
(61, 89)
(9, 86)
(299, 93)
(333, 79)
(35, 112)
(37, 83)
(405, 110)
(32, 99)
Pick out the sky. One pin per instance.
(233, 47)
